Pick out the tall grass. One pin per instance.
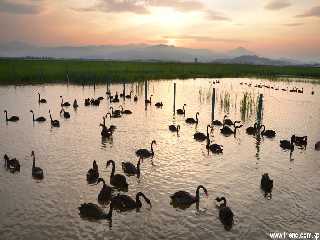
(20, 71)
(247, 106)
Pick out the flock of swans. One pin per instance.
(122, 202)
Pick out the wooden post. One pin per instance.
(260, 109)
(213, 102)
(174, 98)
(124, 91)
(145, 90)
(145, 93)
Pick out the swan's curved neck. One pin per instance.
(6, 115)
(32, 116)
(140, 194)
(138, 168)
(113, 168)
(50, 117)
(197, 117)
(264, 128)
(39, 96)
(198, 193)
(152, 147)
(109, 215)
(34, 162)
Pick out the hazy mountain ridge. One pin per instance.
(140, 52)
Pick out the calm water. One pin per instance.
(47, 209)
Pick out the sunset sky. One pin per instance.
(288, 28)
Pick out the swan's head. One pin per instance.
(219, 199)
(5, 111)
(109, 162)
(154, 142)
(32, 154)
(100, 180)
(31, 111)
(148, 201)
(205, 191)
(225, 116)
(60, 96)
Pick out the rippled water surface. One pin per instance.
(48, 209)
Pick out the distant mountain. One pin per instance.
(124, 52)
(239, 51)
(142, 52)
(256, 60)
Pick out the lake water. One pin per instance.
(48, 209)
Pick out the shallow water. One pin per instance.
(47, 209)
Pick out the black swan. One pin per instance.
(123, 202)
(64, 104)
(317, 146)
(130, 169)
(148, 101)
(225, 130)
(38, 119)
(252, 130)
(266, 184)
(66, 115)
(87, 102)
(286, 144)
(199, 136)
(93, 173)
(126, 111)
(12, 118)
(112, 127)
(217, 123)
(215, 148)
(37, 172)
(75, 104)
(267, 133)
(105, 193)
(227, 121)
(117, 180)
(105, 132)
(11, 164)
(301, 141)
(129, 96)
(225, 213)
(41, 100)
(145, 153)
(174, 128)
(115, 113)
(182, 111)
(185, 198)
(159, 104)
(192, 121)
(94, 212)
(54, 123)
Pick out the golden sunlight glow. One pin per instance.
(171, 42)
(166, 17)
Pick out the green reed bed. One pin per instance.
(20, 71)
